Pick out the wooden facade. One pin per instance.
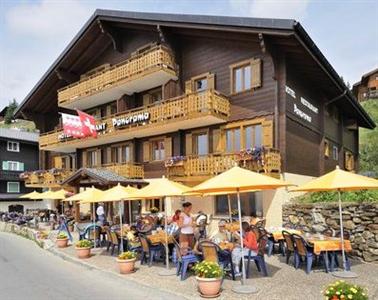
(367, 88)
(229, 87)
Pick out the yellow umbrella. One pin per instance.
(238, 180)
(47, 194)
(32, 195)
(162, 188)
(339, 180)
(90, 195)
(58, 195)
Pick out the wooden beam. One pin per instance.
(262, 42)
(113, 34)
(67, 76)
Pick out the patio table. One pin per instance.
(328, 244)
(227, 246)
(277, 234)
(160, 237)
(232, 227)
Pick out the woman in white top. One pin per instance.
(185, 223)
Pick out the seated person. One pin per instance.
(254, 219)
(222, 235)
(249, 243)
(132, 238)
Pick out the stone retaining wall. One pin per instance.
(360, 219)
(39, 237)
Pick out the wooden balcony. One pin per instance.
(186, 111)
(45, 178)
(128, 170)
(199, 168)
(140, 72)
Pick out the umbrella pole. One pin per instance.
(243, 288)
(167, 271)
(94, 226)
(120, 224)
(344, 273)
(229, 207)
(130, 216)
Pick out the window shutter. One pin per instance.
(188, 144)
(256, 73)
(267, 126)
(5, 165)
(21, 166)
(84, 162)
(188, 87)
(211, 81)
(168, 147)
(98, 157)
(218, 141)
(146, 151)
(146, 99)
(58, 162)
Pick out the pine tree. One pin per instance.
(10, 111)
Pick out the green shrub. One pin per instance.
(357, 196)
(343, 290)
(62, 236)
(84, 244)
(127, 255)
(208, 269)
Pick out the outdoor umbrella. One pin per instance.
(235, 181)
(162, 188)
(339, 180)
(88, 195)
(32, 195)
(116, 193)
(47, 194)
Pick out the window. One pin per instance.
(251, 203)
(158, 203)
(201, 144)
(326, 148)
(92, 158)
(241, 78)
(335, 153)
(200, 84)
(233, 140)
(13, 187)
(253, 136)
(13, 166)
(13, 146)
(113, 108)
(349, 161)
(158, 151)
(121, 154)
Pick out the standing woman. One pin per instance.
(186, 224)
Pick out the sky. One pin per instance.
(34, 33)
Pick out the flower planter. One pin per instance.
(209, 287)
(83, 252)
(126, 266)
(62, 243)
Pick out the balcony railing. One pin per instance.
(127, 170)
(200, 167)
(186, 111)
(136, 67)
(45, 178)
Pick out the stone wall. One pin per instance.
(359, 219)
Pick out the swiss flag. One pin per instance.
(72, 126)
(88, 124)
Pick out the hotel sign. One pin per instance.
(100, 128)
(131, 119)
(303, 108)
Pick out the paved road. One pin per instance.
(28, 272)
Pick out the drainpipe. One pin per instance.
(336, 98)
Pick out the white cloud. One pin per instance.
(291, 9)
(48, 19)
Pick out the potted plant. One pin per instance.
(126, 262)
(343, 290)
(83, 248)
(62, 240)
(209, 277)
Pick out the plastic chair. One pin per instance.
(289, 247)
(212, 252)
(114, 242)
(183, 261)
(302, 250)
(259, 258)
(149, 251)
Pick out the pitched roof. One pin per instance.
(102, 176)
(259, 25)
(15, 134)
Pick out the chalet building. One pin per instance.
(188, 97)
(367, 88)
(18, 153)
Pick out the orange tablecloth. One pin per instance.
(227, 246)
(330, 244)
(160, 237)
(277, 235)
(232, 227)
